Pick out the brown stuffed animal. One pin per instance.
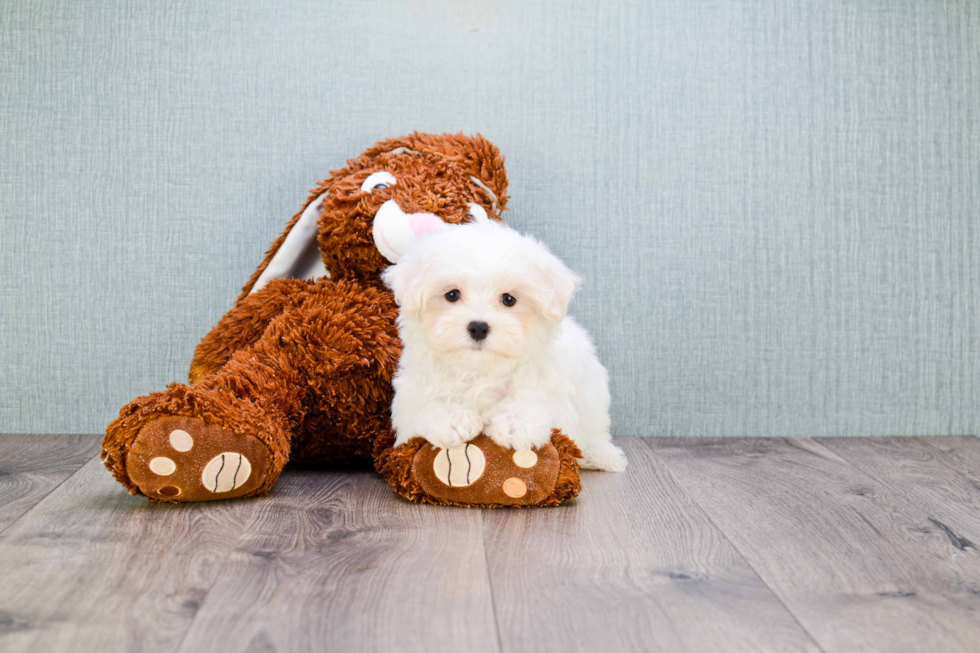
(301, 367)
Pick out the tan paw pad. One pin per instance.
(226, 472)
(525, 459)
(515, 488)
(181, 440)
(163, 466)
(459, 466)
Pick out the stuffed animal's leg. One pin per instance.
(244, 324)
(227, 436)
(230, 434)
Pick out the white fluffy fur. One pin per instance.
(536, 370)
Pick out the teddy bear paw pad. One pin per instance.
(459, 466)
(514, 487)
(480, 472)
(526, 459)
(186, 459)
(226, 472)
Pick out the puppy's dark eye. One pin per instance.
(379, 187)
(453, 295)
(508, 300)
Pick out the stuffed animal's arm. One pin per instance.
(244, 324)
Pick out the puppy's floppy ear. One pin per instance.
(557, 285)
(407, 281)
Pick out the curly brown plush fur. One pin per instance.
(302, 369)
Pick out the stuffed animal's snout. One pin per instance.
(421, 223)
(394, 230)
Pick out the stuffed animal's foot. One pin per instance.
(482, 473)
(185, 459)
(189, 444)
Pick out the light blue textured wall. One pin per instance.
(775, 205)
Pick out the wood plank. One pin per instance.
(339, 563)
(916, 471)
(31, 466)
(92, 568)
(961, 453)
(859, 565)
(632, 564)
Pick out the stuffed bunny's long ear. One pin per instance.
(298, 256)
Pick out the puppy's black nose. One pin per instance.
(478, 330)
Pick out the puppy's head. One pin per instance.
(480, 291)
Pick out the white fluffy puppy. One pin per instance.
(487, 346)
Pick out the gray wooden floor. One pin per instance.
(702, 545)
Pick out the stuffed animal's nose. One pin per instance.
(421, 223)
(478, 330)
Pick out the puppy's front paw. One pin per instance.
(445, 429)
(519, 430)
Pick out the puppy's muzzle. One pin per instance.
(478, 330)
